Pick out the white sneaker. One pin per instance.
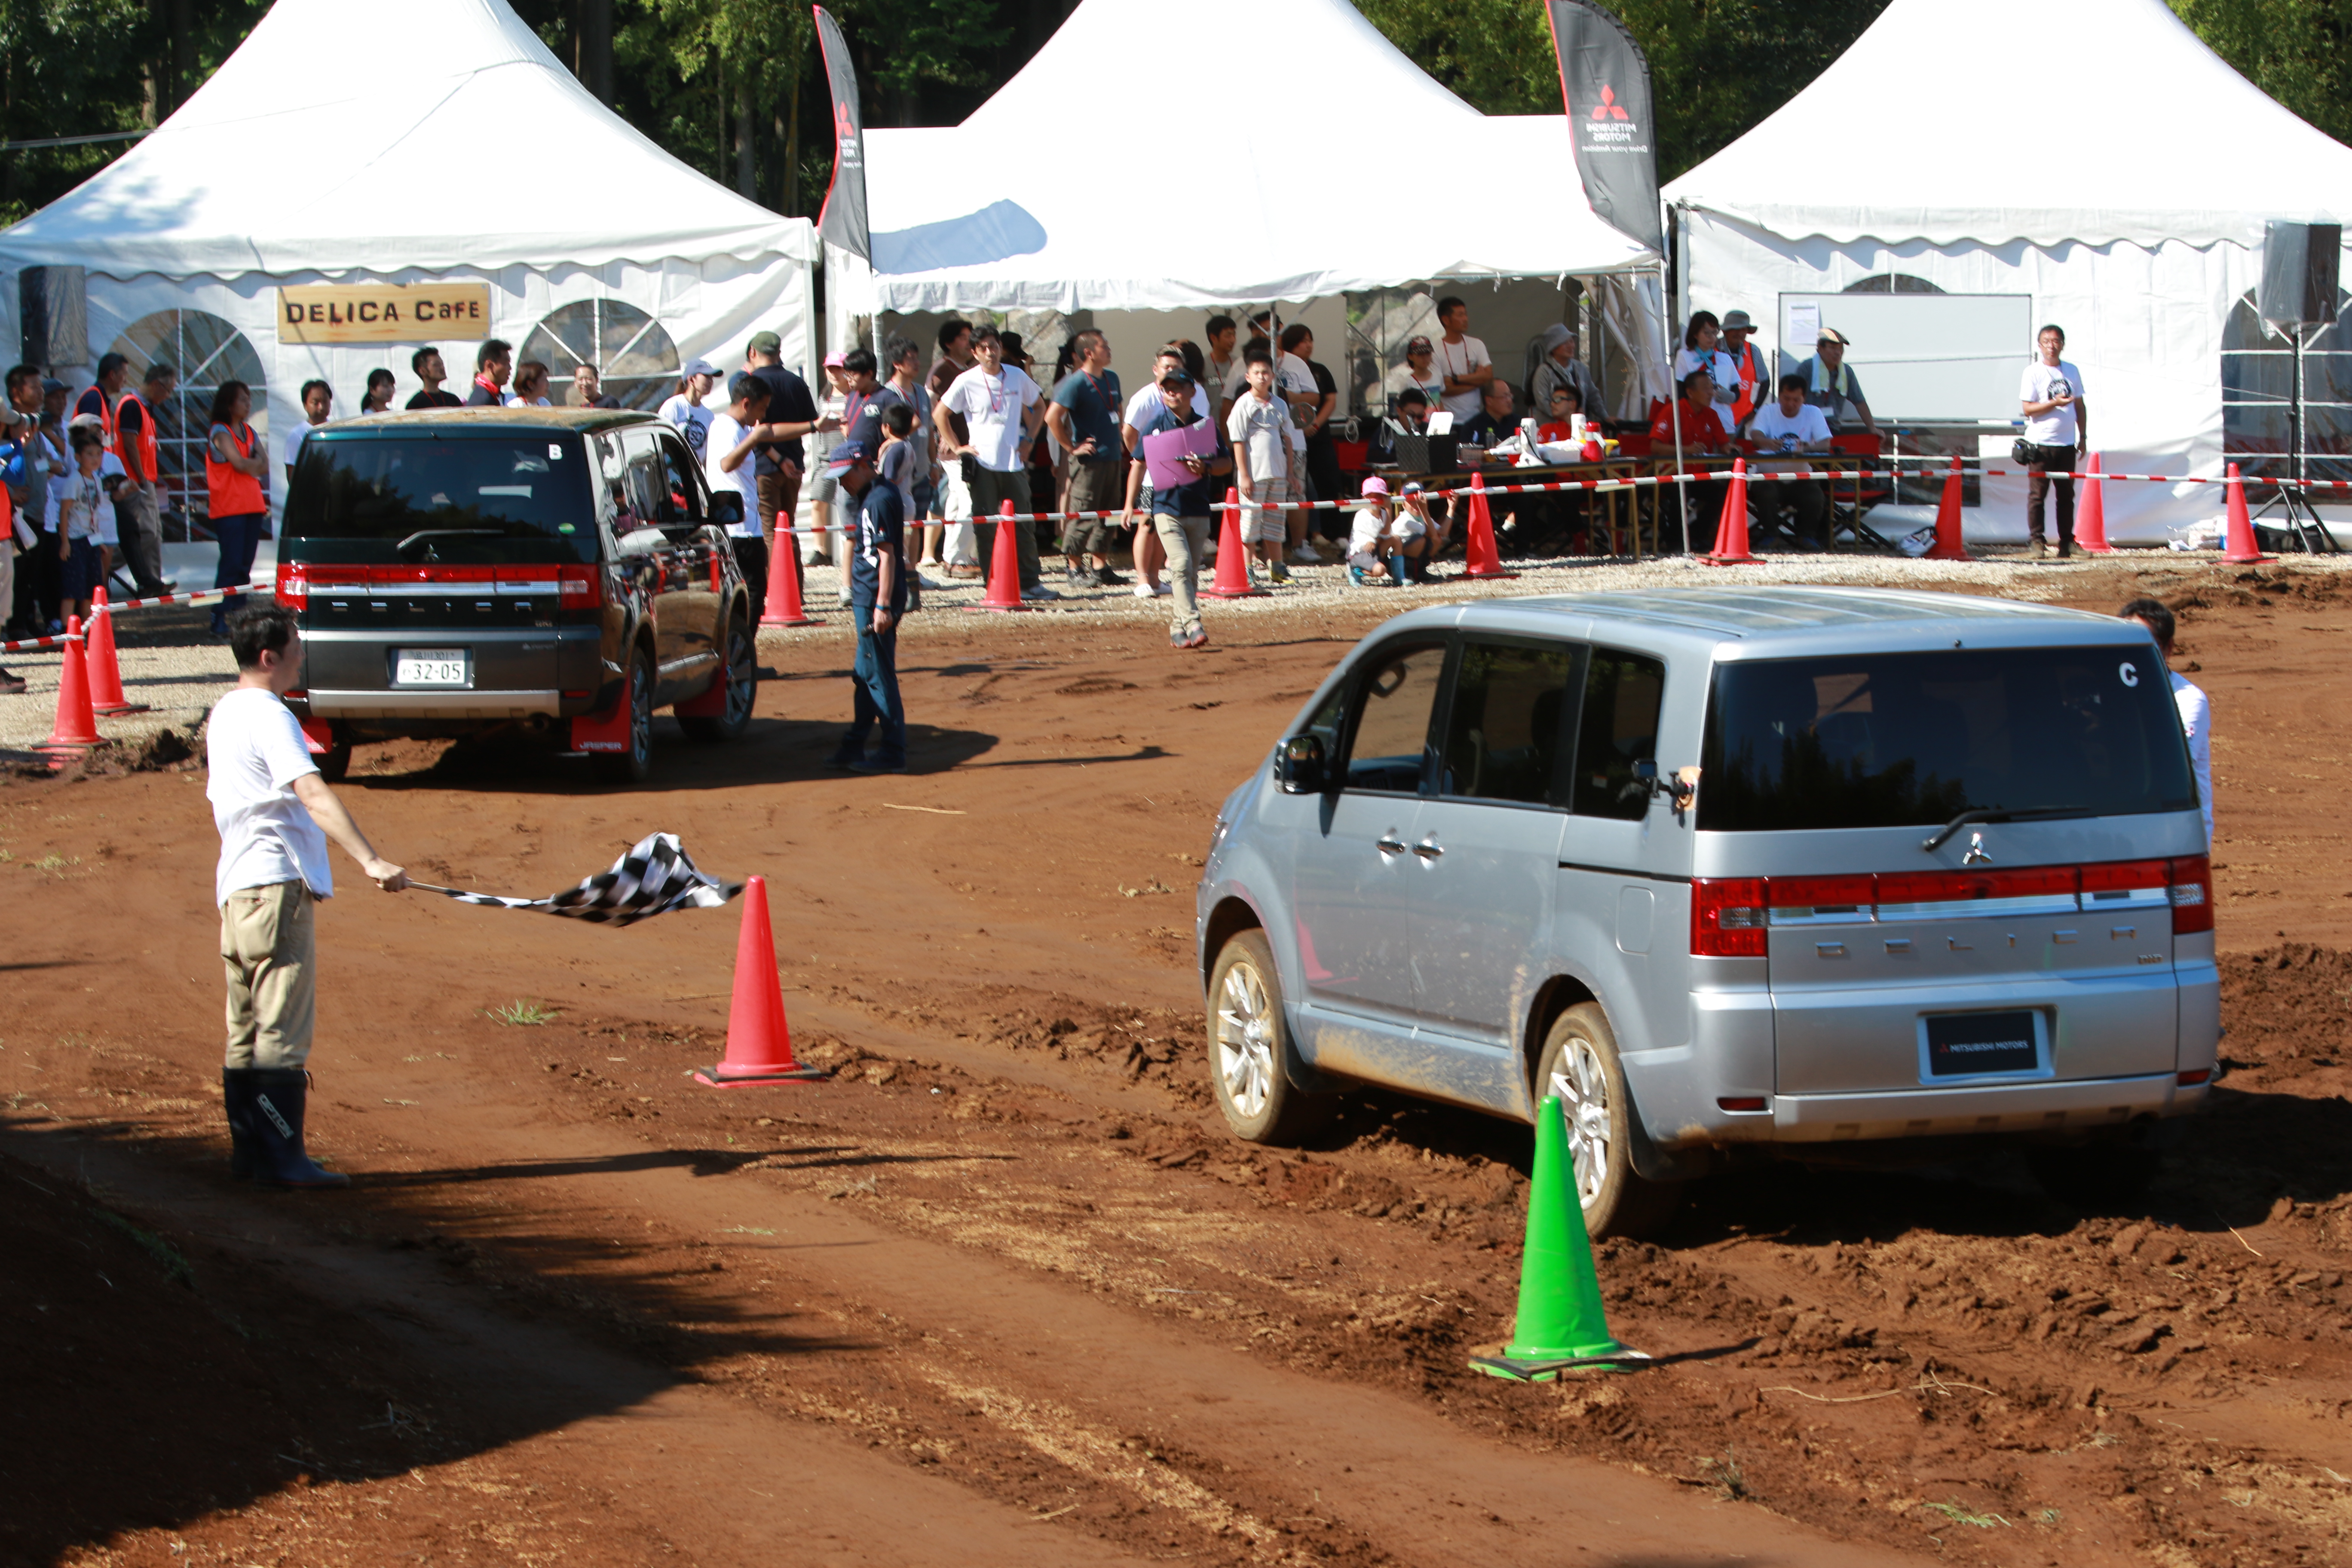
(1306, 557)
(1145, 591)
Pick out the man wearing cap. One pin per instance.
(1180, 513)
(684, 410)
(1561, 367)
(1747, 366)
(1417, 373)
(1830, 385)
(781, 460)
(878, 598)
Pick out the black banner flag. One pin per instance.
(1605, 83)
(843, 220)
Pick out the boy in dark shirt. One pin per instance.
(878, 598)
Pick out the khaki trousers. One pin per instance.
(266, 948)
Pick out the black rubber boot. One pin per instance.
(276, 1122)
(237, 1100)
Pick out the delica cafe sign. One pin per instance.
(382, 312)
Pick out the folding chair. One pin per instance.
(1846, 506)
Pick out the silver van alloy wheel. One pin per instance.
(1584, 1090)
(1245, 1040)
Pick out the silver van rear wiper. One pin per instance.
(1990, 814)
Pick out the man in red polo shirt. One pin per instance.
(1702, 435)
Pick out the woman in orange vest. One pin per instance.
(235, 465)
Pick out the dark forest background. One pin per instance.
(733, 88)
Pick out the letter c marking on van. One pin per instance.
(2129, 671)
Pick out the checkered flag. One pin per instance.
(653, 879)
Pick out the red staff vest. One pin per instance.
(147, 450)
(1751, 376)
(233, 492)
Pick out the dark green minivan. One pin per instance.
(551, 572)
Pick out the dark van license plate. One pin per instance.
(1964, 1044)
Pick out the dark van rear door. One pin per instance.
(440, 562)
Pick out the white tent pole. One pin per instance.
(1674, 407)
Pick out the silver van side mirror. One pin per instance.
(726, 509)
(1298, 766)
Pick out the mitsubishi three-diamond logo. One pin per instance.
(1609, 108)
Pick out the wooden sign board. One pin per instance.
(382, 312)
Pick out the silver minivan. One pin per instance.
(1727, 870)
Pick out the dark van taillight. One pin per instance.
(2191, 888)
(575, 587)
(580, 587)
(1727, 917)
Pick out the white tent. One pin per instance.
(2092, 164)
(1158, 157)
(1035, 203)
(414, 141)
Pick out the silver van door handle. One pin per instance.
(1391, 845)
(1427, 849)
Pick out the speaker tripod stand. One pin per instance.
(2294, 525)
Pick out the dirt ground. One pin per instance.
(1003, 1291)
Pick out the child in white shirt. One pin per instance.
(1384, 546)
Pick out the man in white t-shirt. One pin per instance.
(2196, 711)
(730, 464)
(2057, 427)
(1791, 428)
(684, 408)
(1001, 408)
(318, 402)
(274, 814)
(1462, 360)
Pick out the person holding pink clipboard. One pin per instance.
(1186, 456)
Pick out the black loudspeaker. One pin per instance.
(2299, 267)
(53, 303)
(1428, 454)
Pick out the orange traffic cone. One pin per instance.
(1731, 528)
(1480, 558)
(783, 606)
(1004, 567)
(1949, 545)
(758, 1041)
(77, 726)
(1232, 556)
(105, 675)
(2091, 517)
(2240, 546)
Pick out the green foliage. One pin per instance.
(1716, 66)
(2298, 51)
(82, 67)
(735, 88)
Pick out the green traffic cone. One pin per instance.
(1561, 1322)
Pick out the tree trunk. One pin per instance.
(793, 140)
(593, 44)
(746, 163)
(184, 51)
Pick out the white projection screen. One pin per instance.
(1922, 357)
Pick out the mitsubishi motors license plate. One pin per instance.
(1960, 1045)
(432, 666)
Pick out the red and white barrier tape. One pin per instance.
(202, 596)
(1630, 482)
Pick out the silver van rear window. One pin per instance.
(1902, 740)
